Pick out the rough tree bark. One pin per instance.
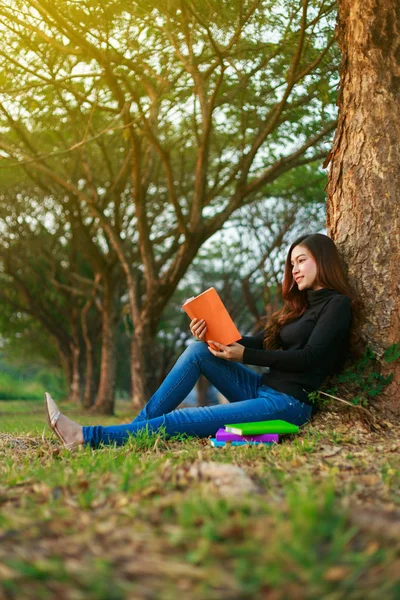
(363, 206)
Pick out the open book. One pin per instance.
(209, 306)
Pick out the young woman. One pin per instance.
(304, 342)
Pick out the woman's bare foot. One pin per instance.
(68, 431)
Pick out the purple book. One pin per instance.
(225, 436)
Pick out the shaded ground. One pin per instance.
(317, 516)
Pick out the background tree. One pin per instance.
(41, 280)
(244, 262)
(364, 180)
(170, 117)
(29, 359)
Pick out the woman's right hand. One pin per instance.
(198, 328)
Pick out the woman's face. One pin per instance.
(304, 269)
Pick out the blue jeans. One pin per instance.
(249, 400)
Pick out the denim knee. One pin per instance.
(196, 351)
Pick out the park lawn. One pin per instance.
(145, 521)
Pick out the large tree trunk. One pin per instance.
(363, 204)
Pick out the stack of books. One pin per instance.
(258, 432)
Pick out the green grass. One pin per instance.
(133, 522)
(14, 387)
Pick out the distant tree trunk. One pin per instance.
(75, 386)
(363, 206)
(144, 362)
(202, 389)
(89, 392)
(106, 393)
(69, 359)
(66, 364)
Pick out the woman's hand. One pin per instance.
(198, 328)
(232, 352)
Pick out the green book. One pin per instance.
(259, 427)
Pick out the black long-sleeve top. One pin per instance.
(312, 346)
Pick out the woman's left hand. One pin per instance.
(232, 352)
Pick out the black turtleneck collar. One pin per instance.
(316, 296)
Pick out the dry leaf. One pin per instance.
(6, 572)
(370, 479)
(298, 461)
(337, 573)
(328, 451)
(372, 548)
(121, 501)
(104, 527)
(378, 523)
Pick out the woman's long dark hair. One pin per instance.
(330, 274)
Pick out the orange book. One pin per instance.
(209, 306)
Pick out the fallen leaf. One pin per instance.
(330, 450)
(104, 527)
(378, 523)
(393, 448)
(336, 573)
(370, 479)
(298, 461)
(372, 548)
(6, 572)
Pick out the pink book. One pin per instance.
(225, 436)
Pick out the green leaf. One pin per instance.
(392, 353)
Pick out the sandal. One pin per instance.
(53, 415)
